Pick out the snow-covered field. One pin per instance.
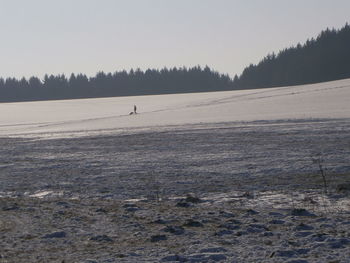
(79, 178)
(325, 100)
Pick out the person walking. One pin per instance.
(135, 109)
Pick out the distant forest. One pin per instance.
(322, 59)
(120, 83)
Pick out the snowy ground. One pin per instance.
(196, 159)
(79, 177)
(325, 100)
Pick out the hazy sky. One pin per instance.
(65, 36)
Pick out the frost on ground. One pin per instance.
(122, 198)
(202, 159)
(102, 230)
(215, 177)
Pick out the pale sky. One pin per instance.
(87, 36)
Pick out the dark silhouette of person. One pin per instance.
(135, 109)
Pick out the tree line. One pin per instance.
(119, 83)
(322, 59)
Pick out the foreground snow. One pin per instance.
(324, 100)
(66, 196)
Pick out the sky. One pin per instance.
(87, 36)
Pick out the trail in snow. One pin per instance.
(323, 100)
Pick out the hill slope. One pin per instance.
(323, 100)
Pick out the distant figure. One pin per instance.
(135, 109)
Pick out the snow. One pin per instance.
(323, 100)
(252, 177)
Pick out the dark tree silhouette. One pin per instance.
(120, 83)
(322, 59)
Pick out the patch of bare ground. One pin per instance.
(266, 226)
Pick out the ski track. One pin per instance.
(323, 100)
